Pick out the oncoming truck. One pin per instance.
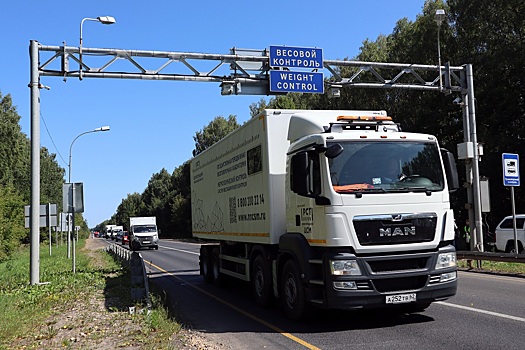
(336, 209)
(143, 233)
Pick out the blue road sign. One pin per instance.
(511, 169)
(306, 82)
(297, 57)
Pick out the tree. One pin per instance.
(180, 201)
(213, 132)
(155, 199)
(12, 230)
(130, 206)
(14, 149)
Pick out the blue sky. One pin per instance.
(153, 122)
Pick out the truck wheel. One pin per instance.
(218, 277)
(261, 283)
(206, 264)
(292, 293)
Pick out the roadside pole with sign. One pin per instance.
(511, 177)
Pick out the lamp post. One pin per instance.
(103, 20)
(71, 210)
(439, 17)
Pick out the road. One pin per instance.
(488, 312)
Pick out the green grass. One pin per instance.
(496, 266)
(24, 309)
(22, 306)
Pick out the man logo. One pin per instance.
(397, 231)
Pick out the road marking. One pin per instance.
(468, 308)
(253, 317)
(179, 250)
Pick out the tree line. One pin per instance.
(15, 180)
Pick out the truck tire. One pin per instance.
(261, 282)
(292, 292)
(206, 264)
(217, 276)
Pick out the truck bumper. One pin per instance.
(144, 242)
(388, 281)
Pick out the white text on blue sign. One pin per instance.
(299, 57)
(282, 81)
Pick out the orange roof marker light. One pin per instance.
(363, 118)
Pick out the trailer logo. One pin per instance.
(397, 231)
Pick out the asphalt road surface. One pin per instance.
(488, 312)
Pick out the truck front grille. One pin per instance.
(395, 228)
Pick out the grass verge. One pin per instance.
(88, 309)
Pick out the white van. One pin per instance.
(505, 234)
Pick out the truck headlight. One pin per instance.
(445, 260)
(345, 267)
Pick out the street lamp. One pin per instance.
(439, 17)
(103, 20)
(102, 128)
(71, 222)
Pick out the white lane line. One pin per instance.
(515, 318)
(179, 250)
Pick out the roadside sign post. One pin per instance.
(511, 178)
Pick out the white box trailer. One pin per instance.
(300, 203)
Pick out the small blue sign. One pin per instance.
(297, 57)
(511, 169)
(306, 82)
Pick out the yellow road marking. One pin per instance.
(253, 317)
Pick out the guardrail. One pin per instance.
(139, 277)
(503, 257)
(118, 251)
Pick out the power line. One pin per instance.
(49, 134)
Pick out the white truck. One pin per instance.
(107, 230)
(338, 209)
(115, 229)
(143, 233)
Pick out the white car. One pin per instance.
(505, 234)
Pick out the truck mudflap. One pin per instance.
(407, 279)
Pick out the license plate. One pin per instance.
(401, 298)
(145, 242)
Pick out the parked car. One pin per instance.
(125, 238)
(505, 234)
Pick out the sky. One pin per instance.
(152, 123)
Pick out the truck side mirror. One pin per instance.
(451, 170)
(334, 151)
(299, 173)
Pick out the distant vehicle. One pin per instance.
(505, 234)
(118, 236)
(125, 238)
(115, 232)
(107, 230)
(143, 233)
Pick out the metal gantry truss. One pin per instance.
(244, 67)
(243, 72)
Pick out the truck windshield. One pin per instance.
(386, 166)
(144, 228)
